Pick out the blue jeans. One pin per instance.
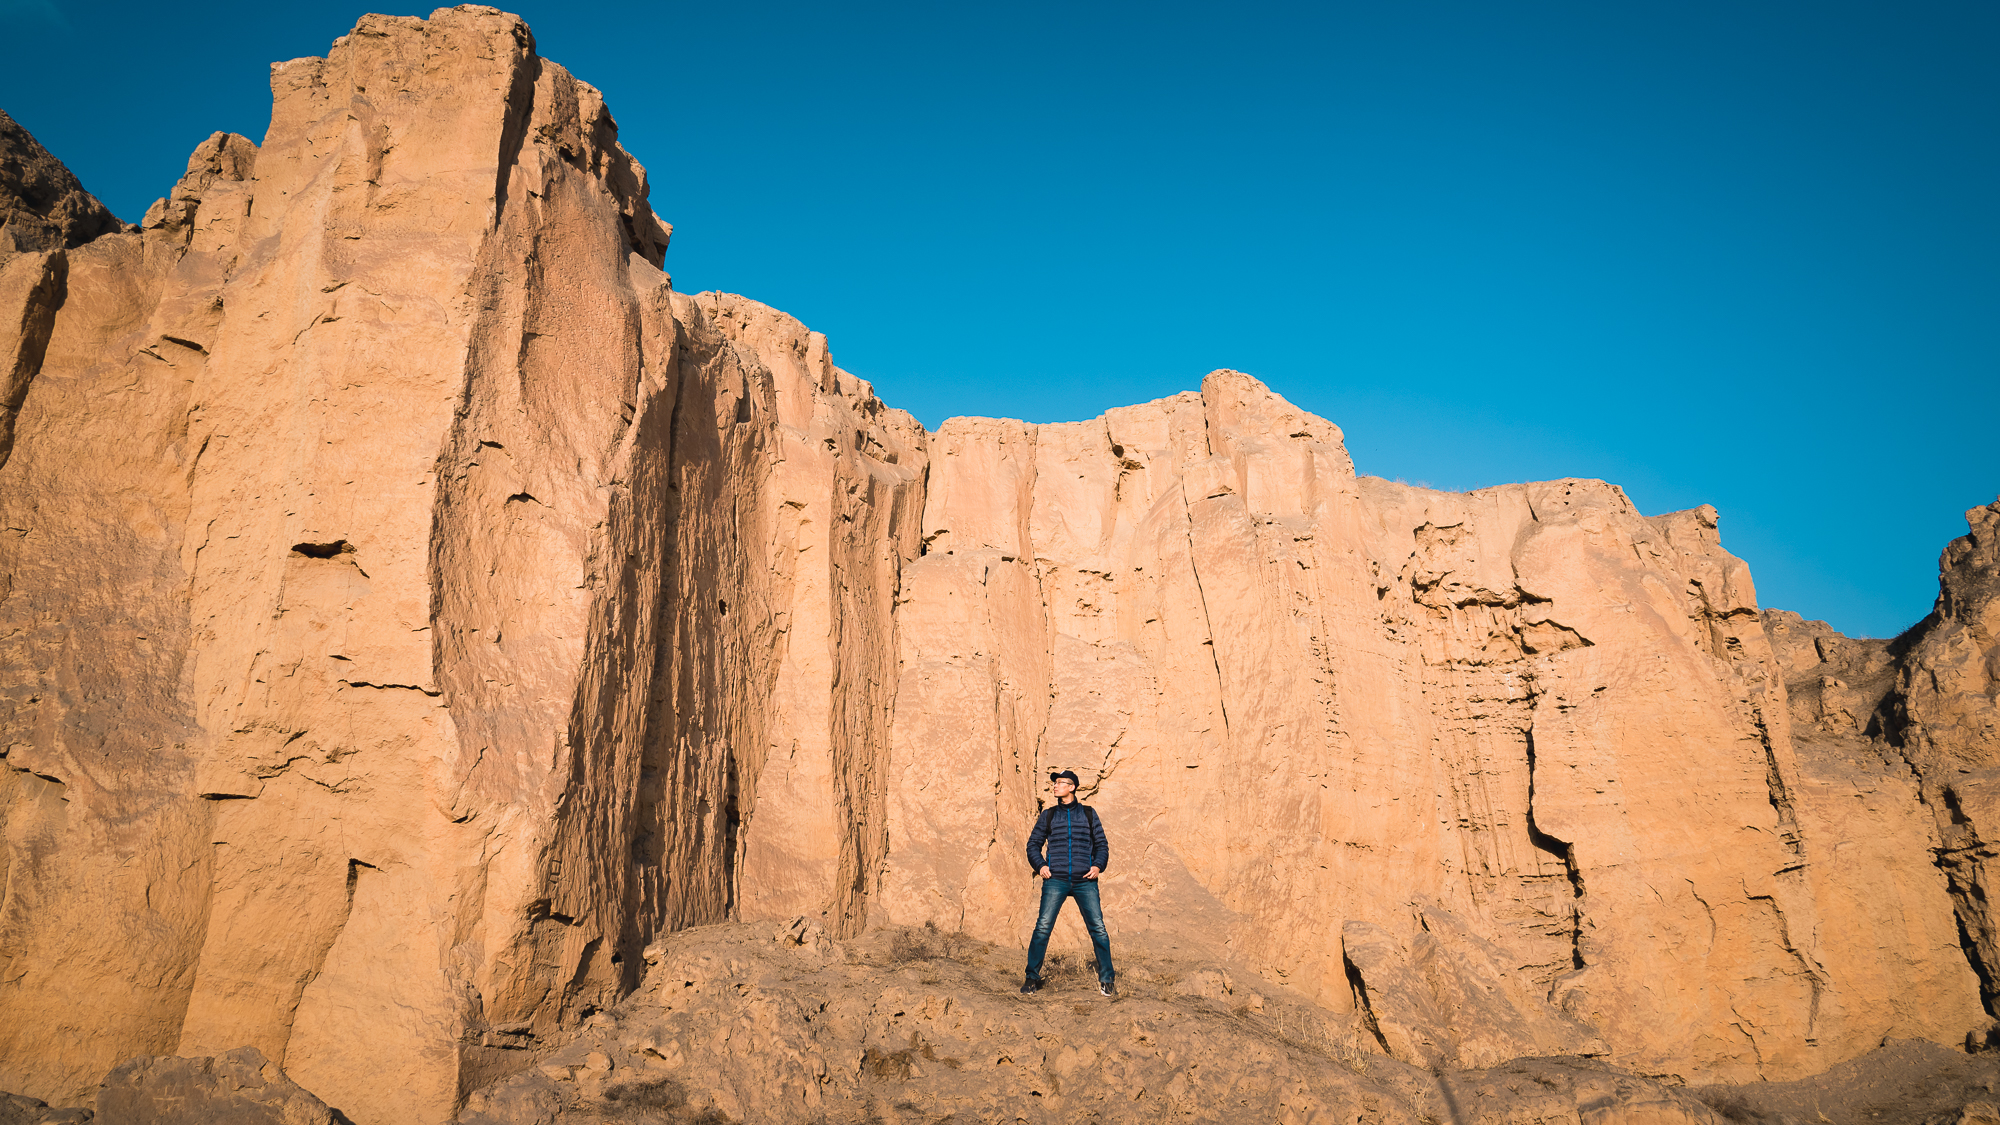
(1084, 891)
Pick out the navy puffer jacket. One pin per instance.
(1074, 838)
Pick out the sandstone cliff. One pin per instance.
(1521, 752)
(375, 687)
(1944, 717)
(413, 607)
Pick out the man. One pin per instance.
(1077, 854)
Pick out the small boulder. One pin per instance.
(19, 1109)
(239, 1087)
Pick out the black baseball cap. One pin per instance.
(1071, 774)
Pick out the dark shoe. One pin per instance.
(1108, 988)
(1033, 984)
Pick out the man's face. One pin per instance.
(1063, 787)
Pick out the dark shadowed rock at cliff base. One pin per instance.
(413, 611)
(240, 1087)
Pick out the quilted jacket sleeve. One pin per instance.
(1100, 844)
(1036, 839)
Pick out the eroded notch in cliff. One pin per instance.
(37, 325)
(1559, 849)
(525, 68)
(1780, 796)
(1207, 619)
(1970, 948)
(1960, 859)
(732, 830)
(1361, 1005)
(354, 867)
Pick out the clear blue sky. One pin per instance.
(1741, 253)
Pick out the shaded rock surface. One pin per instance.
(15, 1109)
(42, 204)
(1902, 1081)
(1944, 718)
(239, 1087)
(1912, 725)
(412, 609)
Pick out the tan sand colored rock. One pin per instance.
(412, 609)
(32, 287)
(834, 506)
(1944, 718)
(925, 1024)
(1308, 702)
(108, 867)
(442, 529)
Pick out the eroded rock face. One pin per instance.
(1521, 752)
(411, 608)
(109, 856)
(376, 690)
(1944, 716)
(42, 205)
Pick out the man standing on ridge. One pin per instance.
(1077, 854)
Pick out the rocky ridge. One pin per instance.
(43, 206)
(415, 611)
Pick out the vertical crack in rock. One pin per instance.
(1961, 857)
(517, 114)
(853, 735)
(693, 773)
(1207, 622)
(317, 964)
(1960, 851)
(1780, 794)
(1815, 975)
(1562, 850)
(804, 505)
(1987, 990)
(1359, 988)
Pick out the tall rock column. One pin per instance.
(107, 864)
(372, 702)
(423, 600)
(823, 520)
(484, 608)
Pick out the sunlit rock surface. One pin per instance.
(412, 608)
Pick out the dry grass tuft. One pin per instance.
(659, 1102)
(928, 943)
(1732, 1107)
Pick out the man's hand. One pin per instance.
(1046, 872)
(1090, 874)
